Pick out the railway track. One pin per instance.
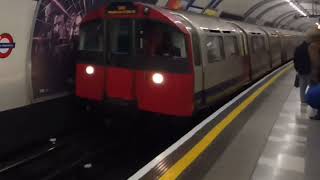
(52, 158)
(97, 152)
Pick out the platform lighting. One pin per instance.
(90, 70)
(318, 25)
(296, 8)
(157, 78)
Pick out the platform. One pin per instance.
(262, 134)
(278, 142)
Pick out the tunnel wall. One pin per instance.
(16, 18)
(30, 110)
(23, 122)
(54, 46)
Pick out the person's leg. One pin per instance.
(303, 83)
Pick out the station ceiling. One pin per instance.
(275, 13)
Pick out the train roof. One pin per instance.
(271, 31)
(200, 21)
(249, 28)
(206, 22)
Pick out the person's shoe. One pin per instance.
(316, 117)
(303, 104)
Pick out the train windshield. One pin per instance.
(146, 44)
(157, 39)
(91, 37)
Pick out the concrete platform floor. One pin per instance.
(278, 142)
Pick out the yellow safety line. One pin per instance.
(174, 171)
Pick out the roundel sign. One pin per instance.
(6, 45)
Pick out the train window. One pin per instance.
(158, 39)
(91, 37)
(214, 49)
(231, 46)
(146, 44)
(195, 40)
(258, 43)
(120, 38)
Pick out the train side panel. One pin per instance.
(225, 68)
(224, 56)
(258, 49)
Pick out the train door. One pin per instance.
(268, 39)
(244, 50)
(216, 66)
(238, 73)
(260, 59)
(275, 48)
(283, 48)
(120, 64)
(90, 62)
(198, 63)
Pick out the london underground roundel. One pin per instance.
(6, 45)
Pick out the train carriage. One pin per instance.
(145, 57)
(222, 51)
(167, 62)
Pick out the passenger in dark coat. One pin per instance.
(313, 94)
(302, 66)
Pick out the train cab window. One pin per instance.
(158, 39)
(258, 43)
(231, 46)
(146, 44)
(214, 49)
(119, 41)
(91, 37)
(195, 40)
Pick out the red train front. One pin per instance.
(132, 52)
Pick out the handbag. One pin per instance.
(296, 81)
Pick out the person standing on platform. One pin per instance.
(302, 66)
(313, 94)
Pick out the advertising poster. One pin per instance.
(55, 43)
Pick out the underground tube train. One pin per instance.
(172, 62)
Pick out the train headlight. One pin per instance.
(90, 70)
(157, 78)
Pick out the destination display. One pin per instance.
(121, 8)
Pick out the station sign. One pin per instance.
(6, 45)
(121, 8)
